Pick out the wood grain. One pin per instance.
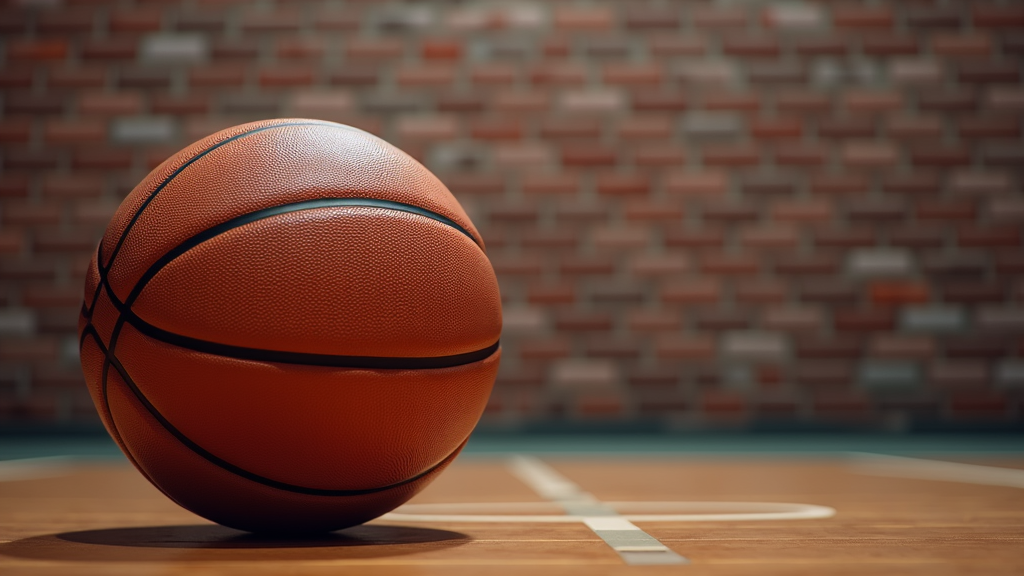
(103, 518)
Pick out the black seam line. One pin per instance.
(112, 360)
(127, 315)
(251, 217)
(156, 191)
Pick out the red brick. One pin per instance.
(898, 292)
(731, 101)
(663, 155)
(30, 213)
(645, 127)
(946, 210)
(668, 45)
(551, 294)
(633, 74)
(16, 78)
(774, 237)
(720, 263)
(361, 49)
(969, 292)
(761, 291)
(695, 238)
(693, 291)
(920, 127)
(475, 183)
(659, 102)
(819, 264)
(863, 17)
(14, 185)
(180, 105)
(824, 373)
(549, 239)
(102, 159)
(802, 211)
(583, 18)
(36, 50)
(870, 154)
(989, 236)
(330, 18)
(678, 346)
(521, 102)
(731, 155)
(300, 48)
(864, 320)
(587, 265)
(800, 155)
(723, 403)
(74, 131)
(647, 17)
(139, 20)
(653, 321)
(544, 349)
(571, 127)
(284, 76)
(916, 183)
(941, 156)
(109, 49)
(554, 48)
(112, 103)
(998, 16)
(821, 46)
(550, 184)
(425, 75)
(719, 18)
(623, 184)
(16, 130)
(65, 21)
(52, 296)
(979, 404)
(989, 127)
(217, 75)
(751, 46)
(846, 237)
(558, 73)
(31, 159)
(772, 128)
(616, 348)
(659, 265)
(588, 155)
(710, 183)
(279, 21)
(989, 72)
(582, 321)
(889, 45)
(440, 49)
(962, 44)
(861, 101)
(494, 74)
(801, 103)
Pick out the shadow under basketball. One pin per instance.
(205, 543)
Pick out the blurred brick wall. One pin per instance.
(702, 213)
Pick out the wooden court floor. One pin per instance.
(891, 516)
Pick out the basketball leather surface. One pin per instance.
(290, 326)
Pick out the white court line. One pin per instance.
(32, 468)
(903, 467)
(631, 543)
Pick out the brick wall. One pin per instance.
(702, 214)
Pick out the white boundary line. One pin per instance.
(32, 468)
(631, 543)
(903, 467)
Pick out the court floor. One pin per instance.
(557, 513)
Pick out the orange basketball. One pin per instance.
(290, 326)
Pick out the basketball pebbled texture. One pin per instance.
(290, 326)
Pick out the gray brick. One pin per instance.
(17, 322)
(406, 18)
(754, 345)
(958, 373)
(703, 72)
(523, 320)
(880, 262)
(267, 104)
(933, 319)
(391, 103)
(915, 71)
(829, 73)
(1007, 209)
(183, 48)
(455, 156)
(143, 130)
(69, 350)
(711, 125)
(1001, 318)
(1010, 374)
(793, 319)
(881, 374)
(776, 72)
(577, 374)
(795, 16)
(981, 183)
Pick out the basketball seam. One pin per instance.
(112, 360)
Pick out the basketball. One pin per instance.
(290, 326)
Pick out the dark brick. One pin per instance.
(582, 321)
